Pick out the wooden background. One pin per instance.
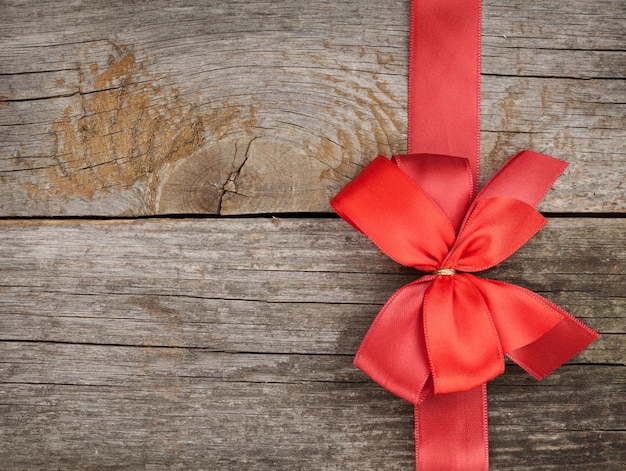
(174, 290)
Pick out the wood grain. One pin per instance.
(227, 343)
(256, 273)
(134, 108)
(95, 407)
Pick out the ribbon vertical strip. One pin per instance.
(444, 119)
(444, 79)
(438, 340)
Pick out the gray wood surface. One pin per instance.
(135, 108)
(136, 342)
(227, 344)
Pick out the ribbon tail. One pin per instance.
(564, 341)
(527, 176)
(393, 353)
(451, 431)
(535, 333)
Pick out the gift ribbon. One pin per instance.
(438, 340)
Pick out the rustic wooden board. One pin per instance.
(227, 343)
(312, 286)
(94, 407)
(222, 107)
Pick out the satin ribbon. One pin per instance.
(438, 340)
(448, 331)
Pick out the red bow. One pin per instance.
(449, 330)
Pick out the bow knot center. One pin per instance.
(444, 272)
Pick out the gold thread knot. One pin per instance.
(444, 272)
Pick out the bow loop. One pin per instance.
(463, 346)
(449, 331)
(519, 315)
(496, 228)
(393, 353)
(385, 204)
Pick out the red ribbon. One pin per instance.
(438, 340)
(449, 330)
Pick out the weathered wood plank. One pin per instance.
(91, 406)
(264, 285)
(227, 343)
(129, 108)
